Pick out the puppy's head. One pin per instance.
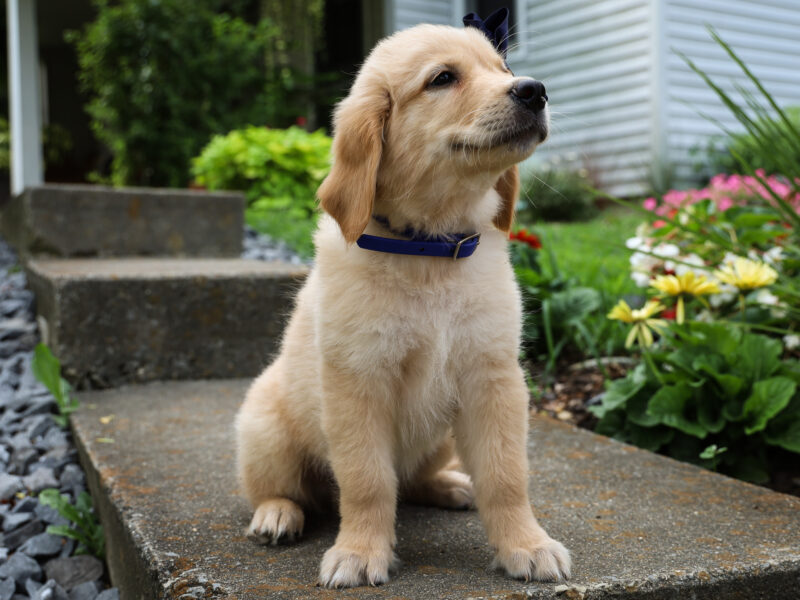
(434, 119)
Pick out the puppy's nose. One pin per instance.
(530, 92)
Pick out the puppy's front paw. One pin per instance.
(344, 567)
(275, 520)
(547, 561)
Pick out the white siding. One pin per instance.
(764, 33)
(595, 58)
(407, 13)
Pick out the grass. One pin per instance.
(593, 252)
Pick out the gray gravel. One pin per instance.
(262, 247)
(35, 454)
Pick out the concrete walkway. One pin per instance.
(161, 463)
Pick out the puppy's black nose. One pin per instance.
(530, 92)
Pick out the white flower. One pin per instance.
(773, 256)
(704, 316)
(666, 250)
(791, 341)
(726, 295)
(635, 243)
(728, 259)
(691, 259)
(642, 280)
(764, 296)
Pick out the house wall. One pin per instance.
(407, 13)
(764, 33)
(596, 60)
(624, 105)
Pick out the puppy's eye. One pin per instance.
(442, 79)
(507, 68)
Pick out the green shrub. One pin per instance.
(711, 394)
(556, 195)
(163, 76)
(278, 169)
(771, 132)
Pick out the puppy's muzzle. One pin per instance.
(530, 93)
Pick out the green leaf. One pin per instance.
(712, 452)
(757, 357)
(768, 398)
(636, 408)
(650, 438)
(47, 369)
(65, 531)
(730, 385)
(787, 438)
(621, 390)
(709, 413)
(784, 429)
(669, 404)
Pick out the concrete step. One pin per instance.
(639, 525)
(112, 321)
(89, 220)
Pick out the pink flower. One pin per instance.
(659, 224)
(724, 203)
(650, 204)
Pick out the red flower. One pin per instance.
(526, 238)
(300, 121)
(659, 224)
(669, 313)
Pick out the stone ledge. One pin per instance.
(112, 321)
(89, 220)
(638, 525)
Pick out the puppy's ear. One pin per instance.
(348, 192)
(508, 189)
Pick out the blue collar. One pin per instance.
(456, 245)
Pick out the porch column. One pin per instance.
(23, 94)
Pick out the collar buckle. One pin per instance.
(462, 240)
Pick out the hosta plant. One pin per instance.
(709, 393)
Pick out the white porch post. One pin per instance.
(23, 93)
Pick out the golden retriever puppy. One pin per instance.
(391, 363)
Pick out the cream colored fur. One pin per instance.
(391, 363)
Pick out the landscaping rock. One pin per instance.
(9, 485)
(50, 591)
(22, 459)
(72, 477)
(7, 588)
(13, 520)
(85, 591)
(74, 570)
(109, 594)
(20, 568)
(49, 515)
(43, 544)
(41, 479)
(14, 539)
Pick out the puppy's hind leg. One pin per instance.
(440, 482)
(270, 463)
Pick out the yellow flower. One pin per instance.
(642, 321)
(679, 285)
(746, 274)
